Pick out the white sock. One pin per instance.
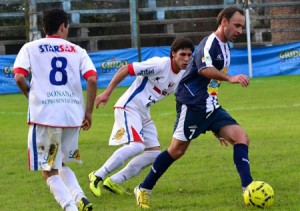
(60, 191)
(119, 157)
(135, 166)
(71, 182)
(71, 207)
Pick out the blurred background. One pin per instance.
(98, 25)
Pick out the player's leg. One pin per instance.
(240, 141)
(59, 190)
(119, 157)
(71, 154)
(135, 166)
(232, 132)
(139, 162)
(165, 159)
(45, 142)
(127, 129)
(70, 180)
(114, 161)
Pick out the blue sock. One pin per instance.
(160, 165)
(240, 157)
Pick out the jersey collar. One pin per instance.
(53, 36)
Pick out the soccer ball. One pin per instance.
(259, 194)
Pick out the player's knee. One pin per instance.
(177, 148)
(242, 138)
(143, 160)
(151, 155)
(176, 153)
(129, 151)
(47, 174)
(65, 170)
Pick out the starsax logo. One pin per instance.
(57, 48)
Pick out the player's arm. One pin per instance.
(22, 83)
(118, 77)
(213, 73)
(91, 90)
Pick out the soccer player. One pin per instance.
(156, 78)
(56, 106)
(198, 109)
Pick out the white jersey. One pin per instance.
(55, 96)
(155, 80)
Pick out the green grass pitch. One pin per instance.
(204, 179)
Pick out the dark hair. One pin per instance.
(228, 13)
(181, 43)
(52, 19)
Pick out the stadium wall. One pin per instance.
(267, 61)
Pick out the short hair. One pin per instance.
(181, 43)
(228, 13)
(52, 19)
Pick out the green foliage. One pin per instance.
(204, 179)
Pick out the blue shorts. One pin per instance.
(191, 122)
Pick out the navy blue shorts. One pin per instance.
(191, 122)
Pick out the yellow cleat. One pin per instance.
(95, 184)
(113, 187)
(85, 205)
(142, 197)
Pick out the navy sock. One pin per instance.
(240, 157)
(160, 165)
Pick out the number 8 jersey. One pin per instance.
(55, 96)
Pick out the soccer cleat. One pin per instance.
(85, 205)
(142, 197)
(113, 187)
(95, 184)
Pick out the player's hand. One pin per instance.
(223, 141)
(101, 99)
(241, 79)
(86, 124)
(87, 121)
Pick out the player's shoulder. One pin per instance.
(209, 41)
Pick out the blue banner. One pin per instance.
(107, 63)
(7, 82)
(266, 61)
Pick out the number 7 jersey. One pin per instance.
(55, 96)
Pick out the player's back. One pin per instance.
(55, 87)
(53, 56)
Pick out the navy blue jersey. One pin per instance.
(198, 91)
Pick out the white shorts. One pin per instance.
(49, 147)
(129, 127)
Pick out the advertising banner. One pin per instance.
(266, 61)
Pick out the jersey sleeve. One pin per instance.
(21, 71)
(204, 54)
(22, 63)
(87, 66)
